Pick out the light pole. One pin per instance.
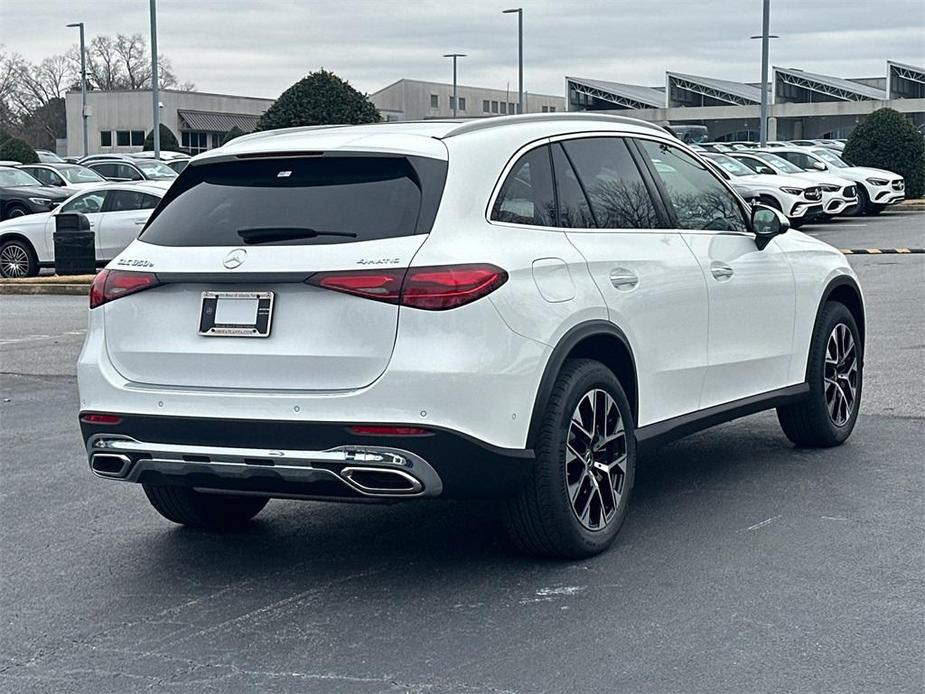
(520, 56)
(454, 56)
(83, 84)
(765, 37)
(155, 96)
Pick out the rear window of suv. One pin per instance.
(299, 201)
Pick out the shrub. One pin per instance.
(14, 149)
(232, 134)
(887, 140)
(168, 140)
(321, 98)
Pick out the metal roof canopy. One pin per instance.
(910, 73)
(737, 93)
(625, 95)
(842, 89)
(217, 121)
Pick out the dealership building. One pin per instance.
(119, 120)
(802, 104)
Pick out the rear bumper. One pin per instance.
(301, 459)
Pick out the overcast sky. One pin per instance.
(260, 47)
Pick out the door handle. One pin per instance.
(139, 222)
(623, 279)
(721, 271)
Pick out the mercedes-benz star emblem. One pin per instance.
(235, 258)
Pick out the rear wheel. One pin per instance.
(214, 511)
(17, 259)
(835, 373)
(576, 500)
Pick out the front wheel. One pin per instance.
(826, 417)
(576, 500)
(198, 510)
(17, 259)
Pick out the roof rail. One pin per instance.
(588, 116)
(279, 131)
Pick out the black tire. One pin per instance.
(14, 210)
(540, 519)
(797, 223)
(809, 422)
(17, 259)
(864, 203)
(195, 509)
(875, 209)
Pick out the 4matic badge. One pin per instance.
(378, 261)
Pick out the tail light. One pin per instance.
(110, 285)
(100, 418)
(435, 288)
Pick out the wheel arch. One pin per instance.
(18, 236)
(599, 340)
(845, 290)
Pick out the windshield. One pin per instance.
(299, 201)
(830, 158)
(80, 174)
(734, 167)
(13, 178)
(155, 171)
(779, 163)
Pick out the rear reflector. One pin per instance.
(109, 285)
(436, 288)
(98, 418)
(364, 430)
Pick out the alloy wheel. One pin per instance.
(596, 459)
(841, 375)
(14, 261)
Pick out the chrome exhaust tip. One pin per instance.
(381, 481)
(110, 464)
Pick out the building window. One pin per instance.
(123, 138)
(494, 106)
(434, 101)
(194, 142)
(511, 108)
(105, 138)
(503, 107)
(486, 107)
(462, 103)
(452, 103)
(552, 109)
(138, 138)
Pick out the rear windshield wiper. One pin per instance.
(270, 234)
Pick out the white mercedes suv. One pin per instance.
(510, 307)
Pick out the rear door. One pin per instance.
(91, 206)
(647, 275)
(752, 295)
(269, 225)
(124, 215)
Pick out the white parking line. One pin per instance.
(37, 338)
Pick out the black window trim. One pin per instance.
(666, 200)
(662, 210)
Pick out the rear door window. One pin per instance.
(619, 197)
(299, 201)
(574, 210)
(526, 196)
(124, 200)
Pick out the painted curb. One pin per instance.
(58, 288)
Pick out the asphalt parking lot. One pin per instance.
(745, 565)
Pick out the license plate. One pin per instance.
(236, 314)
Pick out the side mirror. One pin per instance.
(72, 221)
(819, 166)
(766, 224)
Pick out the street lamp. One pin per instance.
(520, 56)
(83, 83)
(454, 56)
(155, 96)
(765, 45)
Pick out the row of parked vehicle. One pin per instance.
(807, 180)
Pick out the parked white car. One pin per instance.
(839, 195)
(877, 188)
(73, 176)
(507, 307)
(116, 214)
(799, 199)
